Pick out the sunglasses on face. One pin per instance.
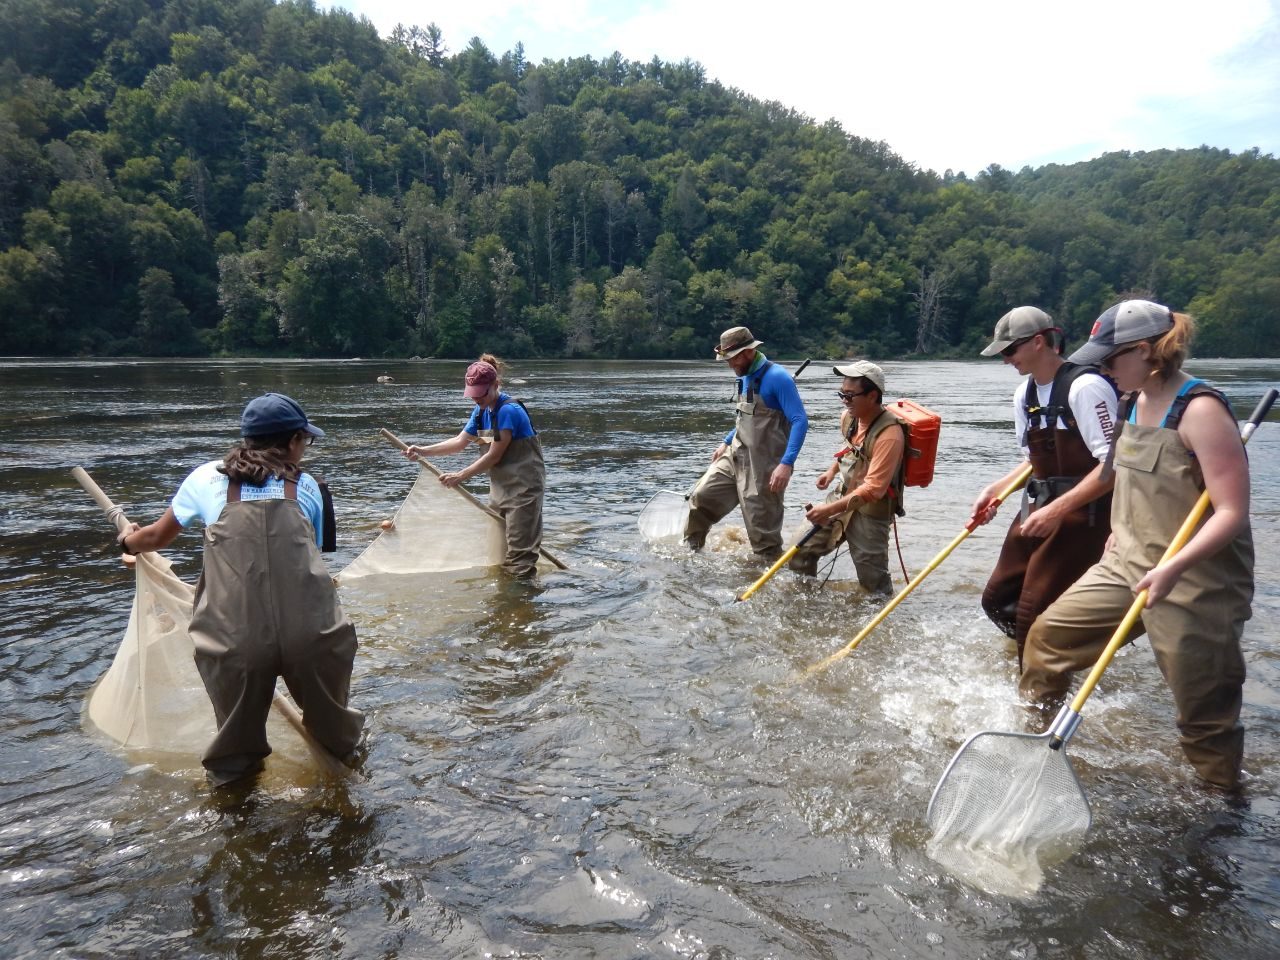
(1014, 347)
(847, 395)
(1108, 361)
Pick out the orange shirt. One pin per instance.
(885, 457)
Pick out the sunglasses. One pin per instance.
(1109, 360)
(847, 395)
(1014, 347)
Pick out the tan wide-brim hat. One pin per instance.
(733, 341)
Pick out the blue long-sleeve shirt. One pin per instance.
(777, 390)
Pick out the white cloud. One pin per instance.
(944, 84)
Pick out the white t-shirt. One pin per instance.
(1092, 401)
(204, 493)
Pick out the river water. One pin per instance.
(614, 762)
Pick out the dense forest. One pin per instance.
(257, 178)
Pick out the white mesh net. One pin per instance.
(663, 517)
(436, 529)
(152, 696)
(1007, 808)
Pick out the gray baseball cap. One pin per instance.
(1127, 322)
(1018, 324)
(862, 368)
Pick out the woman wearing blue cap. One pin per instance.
(1178, 437)
(265, 606)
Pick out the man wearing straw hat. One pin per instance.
(752, 465)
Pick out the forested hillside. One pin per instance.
(249, 177)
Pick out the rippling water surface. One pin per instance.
(614, 762)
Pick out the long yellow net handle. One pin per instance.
(933, 564)
(1179, 541)
(471, 498)
(778, 564)
(324, 759)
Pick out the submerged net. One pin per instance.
(152, 697)
(663, 517)
(1007, 808)
(437, 528)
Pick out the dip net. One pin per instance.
(664, 516)
(1007, 808)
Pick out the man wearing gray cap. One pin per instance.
(752, 465)
(1064, 415)
(860, 508)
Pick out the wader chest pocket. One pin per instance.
(1141, 457)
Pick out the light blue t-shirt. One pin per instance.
(511, 416)
(204, 493)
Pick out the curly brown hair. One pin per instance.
(254, 460)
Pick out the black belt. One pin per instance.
(1042, 490)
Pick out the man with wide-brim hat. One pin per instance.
(864, 481)
(1064, 415)
(752, 465)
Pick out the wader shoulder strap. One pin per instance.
(233, 491)
(1128, 403)
(752, 381)
(1059, 405)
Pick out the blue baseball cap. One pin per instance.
(275, 413)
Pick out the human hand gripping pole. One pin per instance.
(401, 445)
(933, 564)
(327, 762)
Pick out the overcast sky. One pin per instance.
(945, 84)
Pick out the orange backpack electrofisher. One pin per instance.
(922, 428)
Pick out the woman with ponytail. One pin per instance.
(1177, 438)
(512, 457)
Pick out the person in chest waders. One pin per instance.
(1064, 416)
(1177, 438)
(265, 606)
(512, 458)
(753, 464)
(859, 510)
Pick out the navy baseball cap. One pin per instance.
(275, 413)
